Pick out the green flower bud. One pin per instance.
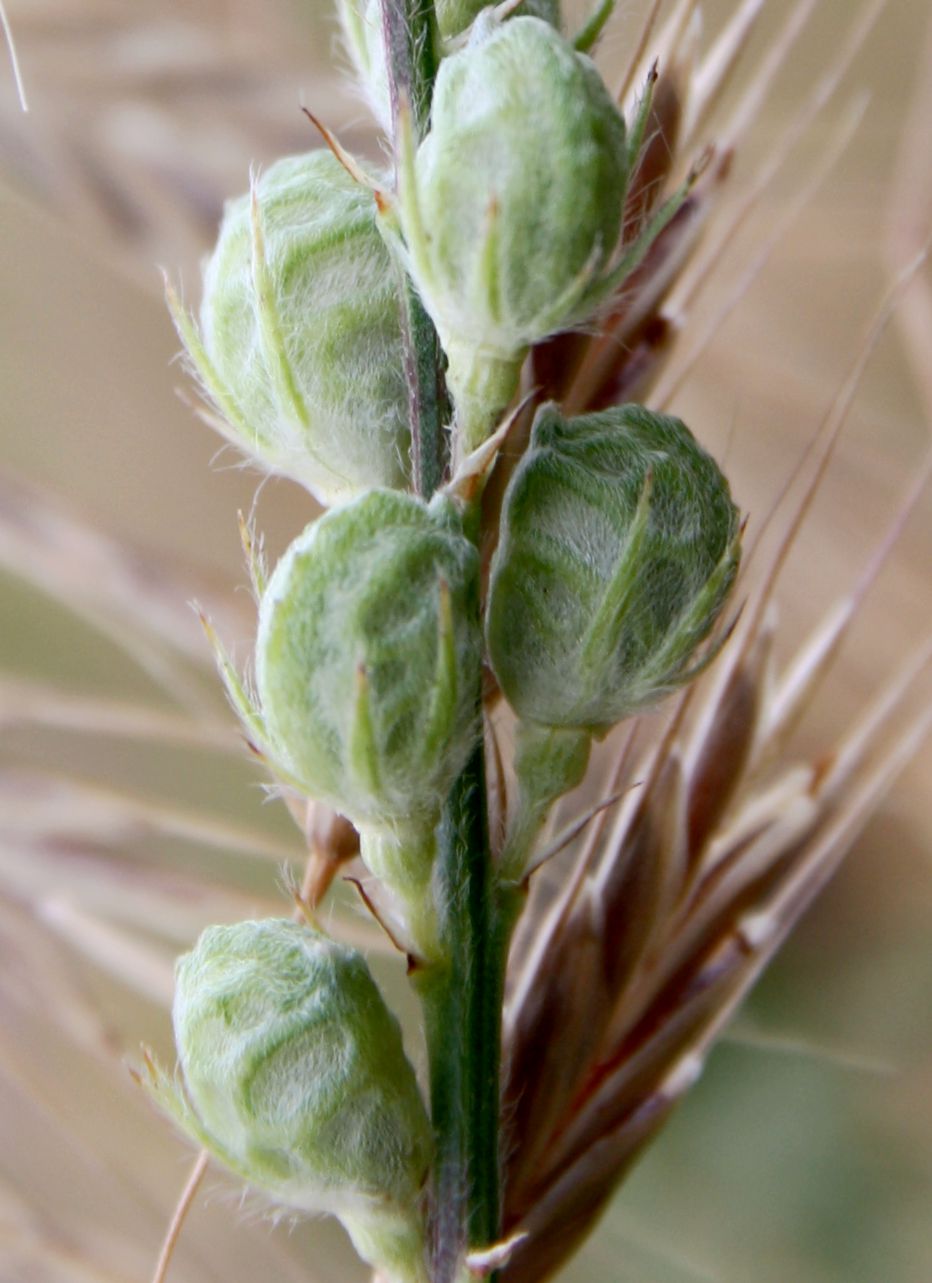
(454, 16)
(296, 1078)
(511, 211)
(619, 544)
(300, 342)
(368, 658)
(363, 27)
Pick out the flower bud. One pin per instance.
(363, 26)
(300, 343)
(295, 1076)
(619, 544)
(514, 205)
(454, 16)
(368, 657)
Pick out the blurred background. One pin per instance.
(129, 815)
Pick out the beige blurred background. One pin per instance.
(806, 1152)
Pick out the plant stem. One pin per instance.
(409, 28)
(427, 400)
(410, 31)
(462, 994)
(462, 1008)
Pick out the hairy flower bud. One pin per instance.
(365, 37)
(512, 208)
(296, 1078)
(454, 16)
(363, 25)
(300, 343)
(368, 657)
(619, 544)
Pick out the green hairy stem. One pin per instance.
(462, 995)
(462, 1009)
(410, 41)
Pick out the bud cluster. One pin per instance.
(617, 544)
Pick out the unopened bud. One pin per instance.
(513, 209)
(368, 657)
(619, 544)
(365, 37)
(454, 16)
(364, 26)
(295, 1076)
(300, 343)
